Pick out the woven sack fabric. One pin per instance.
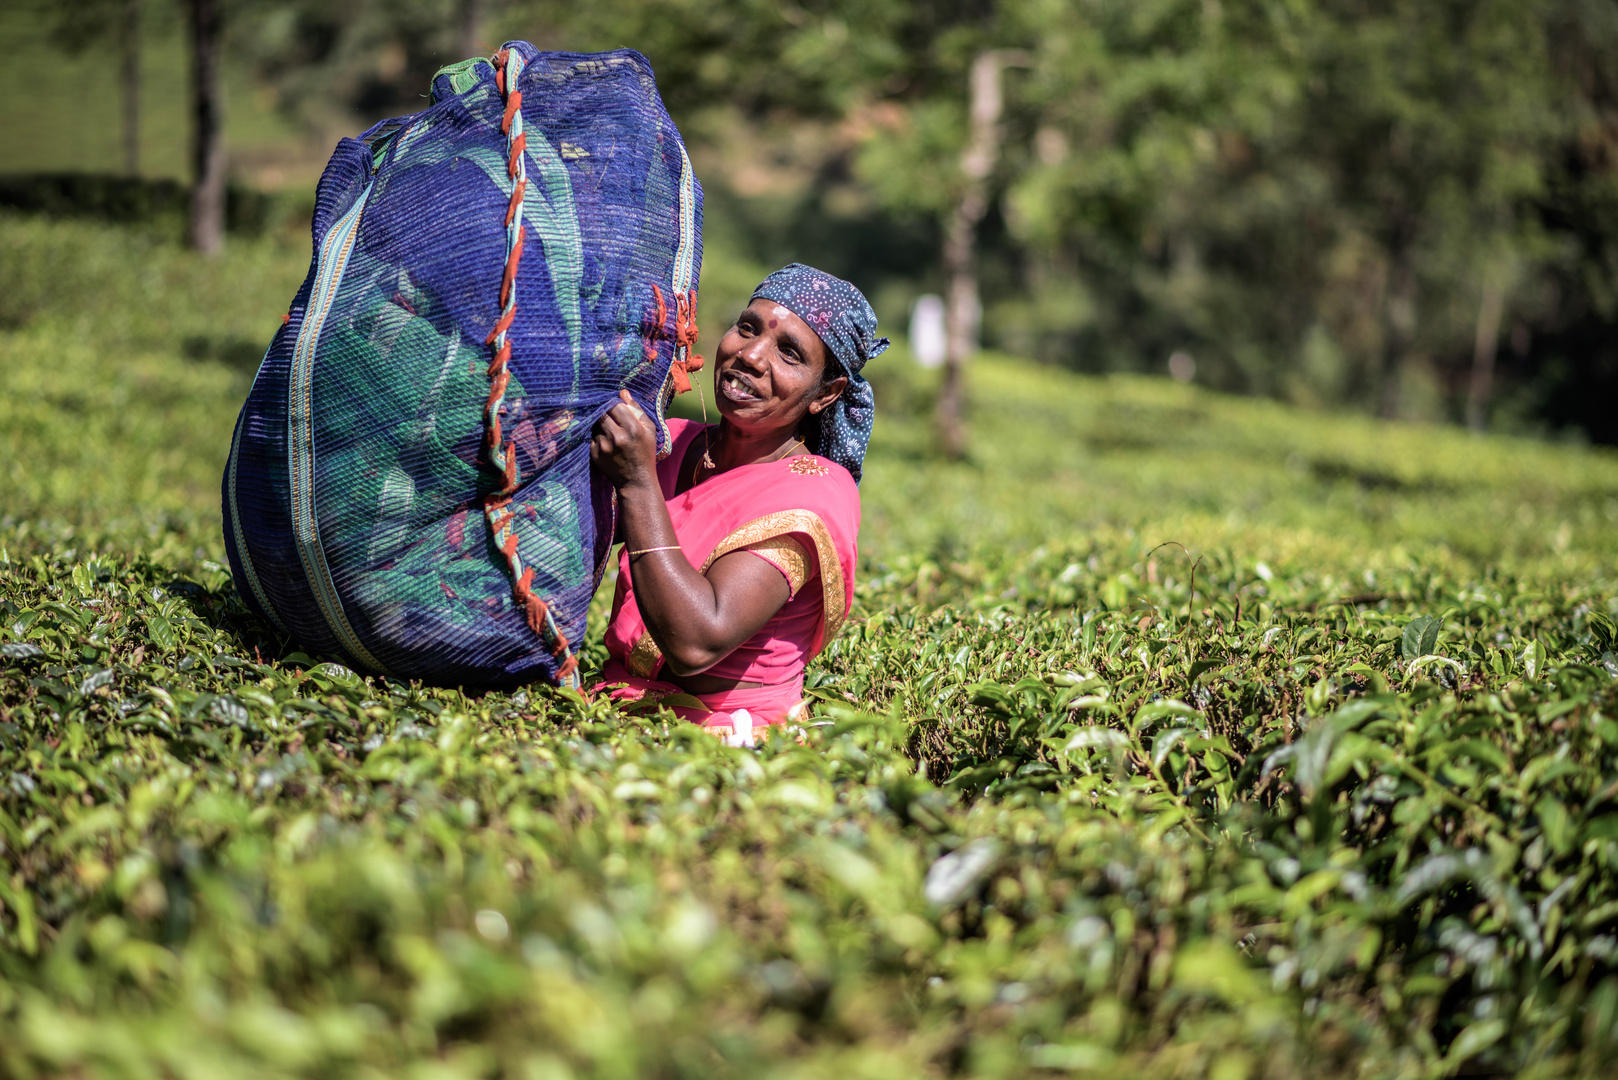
(409, 485)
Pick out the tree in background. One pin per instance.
(1333, 201)
(1566, 360)
(207, 129)
(1314, 199)
(964, 303)
(74, 25)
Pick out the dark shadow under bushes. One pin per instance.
(134, 200)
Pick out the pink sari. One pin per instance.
(802, 515)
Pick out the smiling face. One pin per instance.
(768, 371)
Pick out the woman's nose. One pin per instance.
(755, 354)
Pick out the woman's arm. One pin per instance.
(696, 620)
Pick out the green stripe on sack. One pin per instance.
(686, 253)
(334, 253)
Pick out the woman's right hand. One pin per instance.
(624, 446)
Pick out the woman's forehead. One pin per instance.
(776, 314)
(781, 319)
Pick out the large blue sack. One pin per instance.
(409, 485)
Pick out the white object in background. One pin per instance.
(1182, 366)
(927, 331)
(741, 728)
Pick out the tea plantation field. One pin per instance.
(1173, 736)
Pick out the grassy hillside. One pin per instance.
(150, 350)
(1174, 735)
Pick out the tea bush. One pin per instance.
(1173, 735)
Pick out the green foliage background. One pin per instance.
(1315, 199)
(1174, 735)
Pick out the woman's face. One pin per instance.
(768, 369)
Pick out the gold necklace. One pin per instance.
(707, 461)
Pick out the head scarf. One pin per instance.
(842, 317)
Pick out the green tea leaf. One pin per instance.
(1420, 637)
(160, 631)
(1533, 659)
(1556, 824)
(1473, 1040)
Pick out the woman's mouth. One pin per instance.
(737, 387)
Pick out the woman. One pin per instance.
(739, 546)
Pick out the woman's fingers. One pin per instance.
(619, 425)
(627, 405)
(628, 416)
(624, 443)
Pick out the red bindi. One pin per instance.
(774, 323)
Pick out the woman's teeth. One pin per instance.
(736, 388)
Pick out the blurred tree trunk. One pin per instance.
(131, 81)
(1483, 350)
(471, 17)
(1398, 331)
(207, 133)
(960, 243)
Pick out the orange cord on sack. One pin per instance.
(502, 456)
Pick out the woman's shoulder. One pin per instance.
(819, 484)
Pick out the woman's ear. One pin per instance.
(830, 394)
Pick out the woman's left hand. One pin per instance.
(624, 447)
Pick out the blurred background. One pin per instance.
(1407, 208)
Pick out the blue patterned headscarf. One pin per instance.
(840, 314)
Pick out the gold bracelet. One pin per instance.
(647, 551)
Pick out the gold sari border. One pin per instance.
(786, 555)
(644, 658)
(809, 523)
